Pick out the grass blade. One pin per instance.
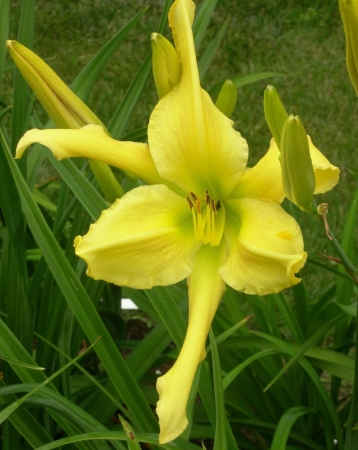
(201, 22)
(208, 56)
(125, 110)
(83, 83)
(21, 98)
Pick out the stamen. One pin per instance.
(213, 207)
(196, 233)
(212, 241)
(194, 196)
(190, 203)
(205, 228)
(207, 197)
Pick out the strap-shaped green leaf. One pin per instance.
(82, 306)
(84, 81)
(39, 395)
(285, 424)
(202, 20)
(242, 80)
(147, 438)
(220, 442)
(208, 56)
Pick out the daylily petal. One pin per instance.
(206, 288)
(144, 239)
(93, 142)
(326, 174)
(268, 250)
(263, 180)
(192, 143)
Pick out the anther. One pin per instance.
(194, 196)
(198, 206)
(190, 202)
(213, 207)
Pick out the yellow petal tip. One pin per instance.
(77, 241)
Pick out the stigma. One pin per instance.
(208, 219)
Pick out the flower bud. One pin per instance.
(298, 177)
(166, 67)
(349, 14)
(227, 98)
(61, 104)
(275, 113)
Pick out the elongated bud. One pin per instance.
(298, 177)
(166, 67)
(63, 106)
(275, 113)
(227, 99)
(349, 14)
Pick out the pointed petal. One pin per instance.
(326, 174)
(192, 143)
(206, 288)
(267, 250)
(144, 239)
(92, 142)
(264, 179)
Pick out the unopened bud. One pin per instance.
(298, 177)
(275, 113)
(166, 67)
(349, 14)
(227, 99)
(61, 104)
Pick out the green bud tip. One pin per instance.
(165, 63)
(227, 98)
(275, 113)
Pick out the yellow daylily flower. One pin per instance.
(202, 217)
